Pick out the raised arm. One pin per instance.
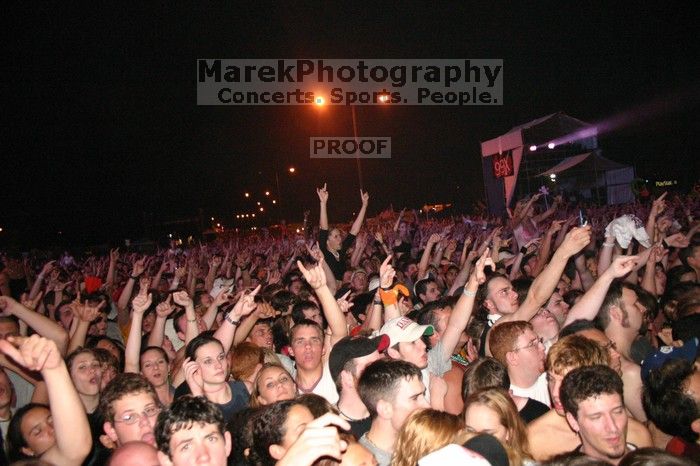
(425, 258)
(323, 198)
(588, 306)
(84, 315)
(39, 282)
(163, 310)
(245, 305)
(70, 423)
(113, 258)
(463, 309)
(316, 277)
(357, 224)
(123, 303)
(543, 286)
(140, 305)
(181, 298)
(41, 324)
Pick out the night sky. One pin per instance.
(101, 122)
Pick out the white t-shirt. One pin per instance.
(538, 391)
(325, 387)
(436, 366)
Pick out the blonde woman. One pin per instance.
(272, 384)
(423, 432)
(493, 412)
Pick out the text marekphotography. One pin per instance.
(349, 82)
(350, 147)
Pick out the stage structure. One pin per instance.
(521, 161)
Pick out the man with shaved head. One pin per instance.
(135, 454)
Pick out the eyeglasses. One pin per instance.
(532, 344)
(133, 418)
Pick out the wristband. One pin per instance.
(231, 321)
(468, 293)
(523, 250)
(134, 277)
(388, 297)
(191, 320)
(608, 245)
(666, 245)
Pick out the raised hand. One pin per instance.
(165, 308)
(677, 241)
(47, 268)
(659, 204)
(141, 303)
(182, 298)
(622, 265)
(245, 305)
(34, 353)
(320, 438)
(138, 267)
(575, 240)
(114, 255)
(364, 196)
(315, 252)
(193, 376)
(484, 260)
(144, 284)
(315, 276)
(322, 193)
(31, 303)
(386, 273)
(344, 303)
(433, 239)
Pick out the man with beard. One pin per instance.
(622, 317)
(569, 353)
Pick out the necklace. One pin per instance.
(348, 417)
(310, 389)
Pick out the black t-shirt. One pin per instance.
(338, 265)
(239, 397)
(532, 410)
(360, 427)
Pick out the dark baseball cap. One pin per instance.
(354, 347)
(689, 352)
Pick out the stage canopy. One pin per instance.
(511, 168)
(577, 174)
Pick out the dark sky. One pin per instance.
(101, 122)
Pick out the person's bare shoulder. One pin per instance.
(638, 434)
(544, 429)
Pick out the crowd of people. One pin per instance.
(556, 334)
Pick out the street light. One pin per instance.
(292, 169)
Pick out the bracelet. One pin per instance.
(377, 302)
(231, 321)
(191, 320)
(523, 250)
(388, 297)
(666, 245)
(468, 293)
(608, 245)
(134, 277)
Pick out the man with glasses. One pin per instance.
(517, 346)
(130, 407)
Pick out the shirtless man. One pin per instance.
(569, 353)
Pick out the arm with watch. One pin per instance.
(459, 318)
(245, 305)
